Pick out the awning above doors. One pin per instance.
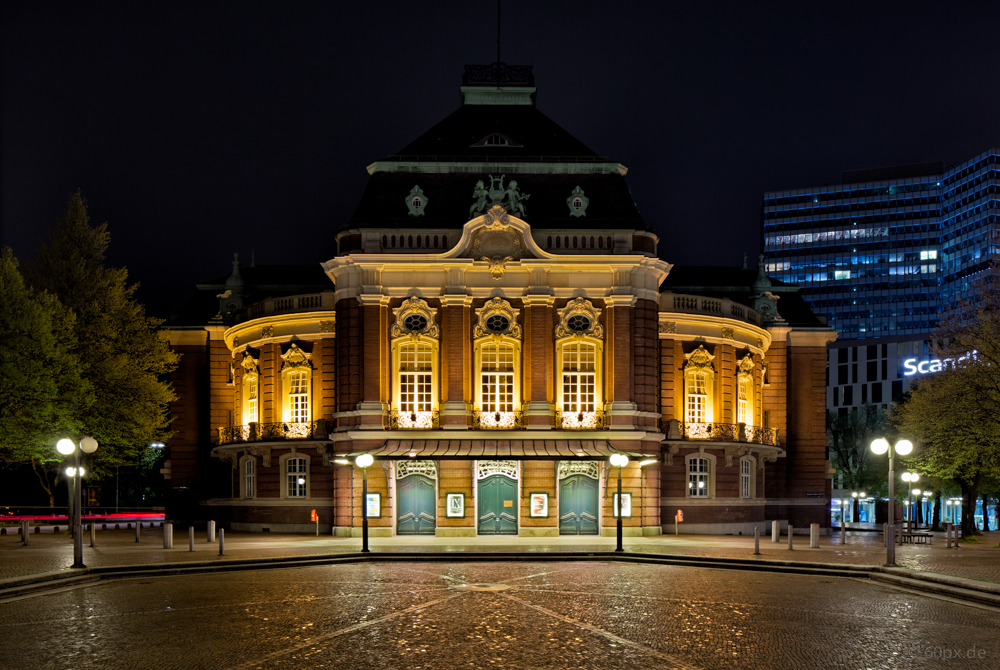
(552, 450)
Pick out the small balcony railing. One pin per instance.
(496, 420)
(720, 432)
(580, 420)
(268, 432)
(412, 420)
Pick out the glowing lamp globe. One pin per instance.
(880, 446)
(88, 445)
(863, 495)
(364, 460)
(907, 477)
(71, 472)
(916, 492)
(903, 447)
(65, 446)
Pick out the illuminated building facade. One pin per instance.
(495, 324)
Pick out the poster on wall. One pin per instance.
(626, 506)
(454, 505)
(373, 505)
(539, 505)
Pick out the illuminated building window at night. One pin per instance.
(700, 470)
(414, 342)
(251, 390)
(296, 380)
(748, 477)
(579, 351)
(498, 365)
(699, 378)
(296, 469)
(743, 410)
(415, 378)
(744, 391)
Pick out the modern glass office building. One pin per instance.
(881, 255)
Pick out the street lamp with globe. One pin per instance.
(879, 447)
(909, 478)
(66, 447)
(363, 461)
(620, 460)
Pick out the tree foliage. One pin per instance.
(122, 357)
(954, 415)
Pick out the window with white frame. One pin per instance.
(579, 377)
(415, 377)
(296, 475)
(249, 477)
(743, 402)
(699, 469)
(697, 398)
(746, 478)
(298, 396)
(497, 377)
(252, 389)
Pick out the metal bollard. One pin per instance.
(814, 536)
(756, 541)
(93, 534)
(885, 535)
(138, 529)
(168, 536)
(24, 532)
(211, 532)
(899, 535)
(790, 547)
(222, 542)
(775, 531)
(947, 534)
(190, 538)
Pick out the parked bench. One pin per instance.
(918, 538)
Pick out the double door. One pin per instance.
(578, 505)
(415, 506)
(497, 498)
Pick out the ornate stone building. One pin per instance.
(494, 325)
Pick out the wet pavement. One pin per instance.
(52, 552)
(506, 615)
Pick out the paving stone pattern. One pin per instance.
(527, 615)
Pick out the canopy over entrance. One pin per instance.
(466, 450)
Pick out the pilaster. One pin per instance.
(539, 362)
(620, 407)
(456, 361)
(375, 360)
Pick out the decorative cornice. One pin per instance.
(497, 306)
(419, 307)
(583, 308)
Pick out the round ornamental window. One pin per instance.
(416, 202)
(578, 323)
(415, 322)
(578, 203)
(497, 323)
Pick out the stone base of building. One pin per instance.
(745, 528)
(455, 532)
(627, 531)
(652, 530)
(324, 529)
(538, 532)
(342, 531)
(372, 532)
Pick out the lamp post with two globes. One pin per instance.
(620, 460)
(65, 446)
(363, 461)
(903, 447)
(909, 478)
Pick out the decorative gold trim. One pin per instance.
(497, 306)
(668, 327)
(410, 306)
(700, 358)
(587, 309)
(327, 327)
(295, 357)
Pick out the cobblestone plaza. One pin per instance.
(513, 615)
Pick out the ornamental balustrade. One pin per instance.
(720, 432)
(580, 420)
(496, 420)
(696, 304)
(271, 432)
(293, 303)
(412, 420)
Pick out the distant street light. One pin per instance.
(88, 445)
(909, 478)
(620, 460)
(363, 461)
(879, 447)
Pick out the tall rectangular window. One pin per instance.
(298, 397)
(497, 378)
(579, 378)
(743, 406)
(295, 472)
(698, 471)
(249, 475)
(697, 398)
(746, 472)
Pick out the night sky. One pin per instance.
(199, 129)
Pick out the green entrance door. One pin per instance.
(415, 506)
(497, 506)
(578, 505)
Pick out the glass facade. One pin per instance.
(883, 258)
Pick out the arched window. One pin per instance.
(699, 383)
(579, 349)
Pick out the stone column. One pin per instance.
(538, 362)
(618, 361)
(456, 361)
(374, 406)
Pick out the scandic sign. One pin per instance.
(912, 367)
